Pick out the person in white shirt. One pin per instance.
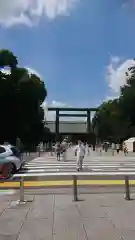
(80, 152)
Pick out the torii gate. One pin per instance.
(69, 109)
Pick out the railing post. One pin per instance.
(75, 187)
(22, 189)
(127, 190)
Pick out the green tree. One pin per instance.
(8, 59)
(117, 118)
(127, 100)
(21, 96)
(108, 122)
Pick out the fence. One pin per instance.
(74, 176)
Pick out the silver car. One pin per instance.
(10, 160)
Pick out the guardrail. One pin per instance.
(74, 176)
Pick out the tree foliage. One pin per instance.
(21, 96)
(108, 122)
(8, 59)
(115, 119)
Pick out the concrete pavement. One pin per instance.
(57, 217)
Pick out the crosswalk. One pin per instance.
(94, 163)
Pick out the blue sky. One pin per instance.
(82, 55)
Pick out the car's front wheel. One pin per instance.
(7, 170)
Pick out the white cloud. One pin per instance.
(128, 4)
(33, 71)
(50, 115)
(30, 71)
(29, 12)
(116, 76)
(115, 59)
(5, 71)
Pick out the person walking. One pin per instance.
(113, 148)
(58, 150)
(80, 152)
(117, 148)
(125, 149)
(64, 146)
(87, 149)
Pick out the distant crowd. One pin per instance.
(59, 149)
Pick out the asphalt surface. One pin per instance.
(95, 162)
(30, 156)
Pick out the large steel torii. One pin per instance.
(69, 109)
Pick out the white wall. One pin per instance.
(129, 146)
(65, 126)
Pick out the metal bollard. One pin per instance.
(75, 188)
(22, 190)
(127, 190)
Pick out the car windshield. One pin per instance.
(15, 151)
(2, 150)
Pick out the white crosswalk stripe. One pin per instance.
(93, 163)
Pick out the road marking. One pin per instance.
(39, 170)
(129, 164)
(85, 161)
(72, 170)
(7, 192)
(126, 169)
(97, 169)
(65, 183)
(68, 166)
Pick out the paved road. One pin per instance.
(93, 163)
(30, 156)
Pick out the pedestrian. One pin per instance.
(125, 149)
(58, 151)
(64, 146)
(80, 152)
(117, 148)
(38, 150)
(87, 149)
(51, 148)
(106, 146)
(113, 148)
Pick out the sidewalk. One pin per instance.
(57, 217)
